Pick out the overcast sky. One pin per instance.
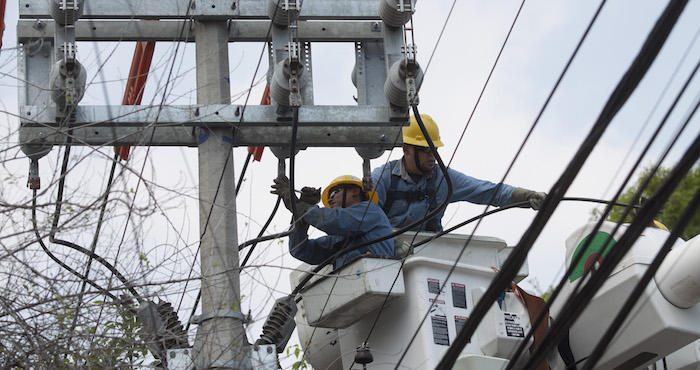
(542, 41)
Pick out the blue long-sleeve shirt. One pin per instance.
(353, 225)
(465, 188)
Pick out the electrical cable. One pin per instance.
(622, 92)
(641, 188)
(629, 304)
(61, 263)
(262, 230)
(54, 227)
(576, 304)
(243, 170)
(93, 246)
(516, 205)
(585, 247)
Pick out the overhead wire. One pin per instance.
(576, 304)
(61, 263)
(648, 180)
(621, 93)
(56, 217)
(93, 246)
(603, 216)
(626, 309)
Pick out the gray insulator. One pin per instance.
(36, 151)
(70, 14)
(282, 152)
(160, 328)
(367, 152)
(279, 85)
(363, 356)
(280, 324)
(67, 83)
(278, 15)
(395, 84)
(390, 14)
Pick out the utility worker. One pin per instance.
(351, 217)
(413, 186)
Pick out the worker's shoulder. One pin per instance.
(367, 206)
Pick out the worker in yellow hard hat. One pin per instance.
(351, 217)
(410, 188)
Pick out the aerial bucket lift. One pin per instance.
(380, 305)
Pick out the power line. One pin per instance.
(622, 92)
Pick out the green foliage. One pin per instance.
(675, 205)
(301, 363)
(114, 344)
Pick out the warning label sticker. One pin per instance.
(514, 327)
(459, 295)
(460, 322)
(441, 335)
(434, 286)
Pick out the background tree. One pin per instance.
(675, 205)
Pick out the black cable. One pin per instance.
(293, 227)
(622, 92)
(54, 228)
(576, 304)
(517, 205)
(262, 231)
(61, 263)
(637, 195)
(624, 312)
(245, 167)
(408, 227)
(93, 246)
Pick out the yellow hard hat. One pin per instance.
(414, 136)
(349, 180)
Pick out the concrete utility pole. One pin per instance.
(49, 113)
(221, 325)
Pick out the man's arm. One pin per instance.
(470, 189)
(344, 222)
(311, 251)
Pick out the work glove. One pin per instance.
(281, 188)
(535, 198)
(310, 195)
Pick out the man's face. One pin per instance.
(426, 159)
(335, 198)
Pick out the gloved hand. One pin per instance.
(535, 198)
(281, 188)
(310, 195)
